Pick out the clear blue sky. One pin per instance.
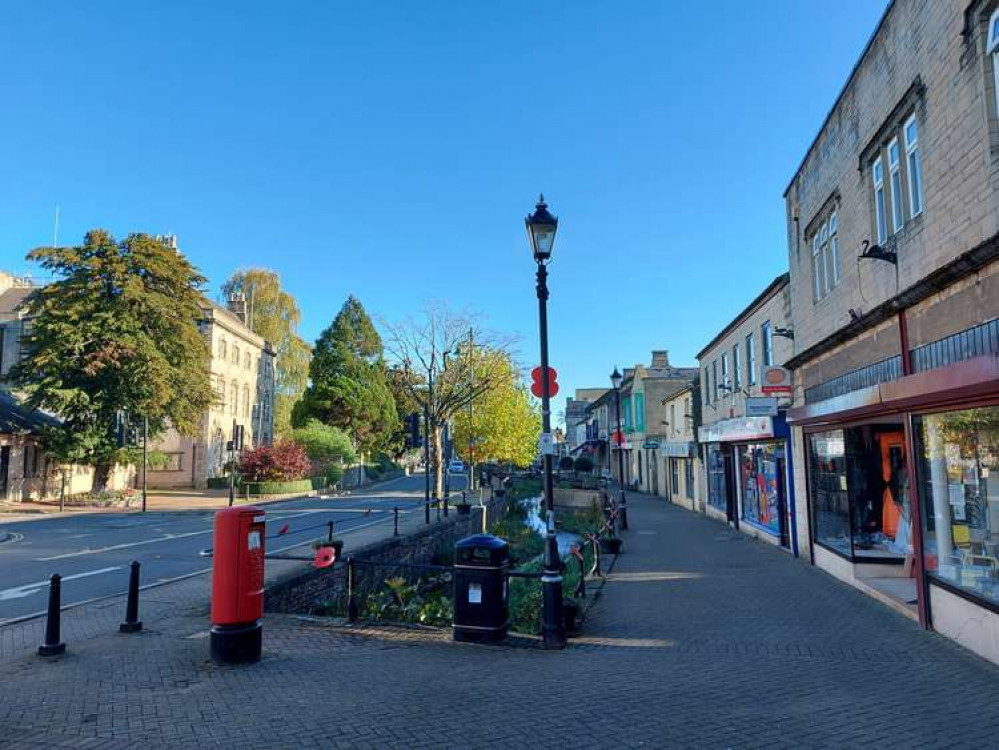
(392, 149)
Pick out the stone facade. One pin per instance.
(678, 459)
(243, 375)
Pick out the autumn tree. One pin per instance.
(432, 348)
(505, 422)
(273, 314)
(349, 385)
(117, 330)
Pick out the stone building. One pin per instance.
(243, 375)
(893, 251)
(643, 392)
(743, 435)
(678, 449)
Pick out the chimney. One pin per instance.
(628, 372)
(237, 306)
(660, 359)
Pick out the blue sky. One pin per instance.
(391, 150)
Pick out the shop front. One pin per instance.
(748, 464)
(903, 500)
(678, 461)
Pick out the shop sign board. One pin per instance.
(738, 428)
(651, 445)
(678, 450)
(776, 380)
(761, 406)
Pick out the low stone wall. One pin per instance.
(576, 498)
(312, 589)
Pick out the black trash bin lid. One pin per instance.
(481, 541)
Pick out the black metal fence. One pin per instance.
(974, 342)
(879, 372)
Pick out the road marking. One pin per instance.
(33, 588)
(156, 540)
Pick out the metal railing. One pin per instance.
(879, 372)
(973, 342)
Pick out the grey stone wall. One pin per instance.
(312, 590)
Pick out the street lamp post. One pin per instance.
(541, 227)
(616, 380)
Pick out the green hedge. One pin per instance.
(276, 488)
(218, 483)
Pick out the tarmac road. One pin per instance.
(92, 552)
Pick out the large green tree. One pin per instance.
(273, 313)
(505, 422)
(349, 385)
(117, 330)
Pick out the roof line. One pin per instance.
(839, 96)
(762, 297)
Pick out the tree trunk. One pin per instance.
(437, 445)
(102, 473)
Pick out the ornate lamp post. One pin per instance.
(541, 227)
(616, 380)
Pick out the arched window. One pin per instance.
(234, 392)
(235, 354)
(246, 360)
(246, 401)
(222, 349)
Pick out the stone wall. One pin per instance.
(310, 590)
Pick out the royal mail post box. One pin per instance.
(238, 584)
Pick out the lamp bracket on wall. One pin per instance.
(787, 333)
(876, 252)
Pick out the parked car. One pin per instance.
(456, 466)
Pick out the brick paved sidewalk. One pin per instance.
(702, 638)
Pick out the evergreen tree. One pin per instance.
(118, 330)
(274, 314)
(349, 385)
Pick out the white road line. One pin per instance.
(156, 540)
(33, 588)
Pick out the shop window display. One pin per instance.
(758, 484)
(716, 479)
(958, 470)
(859, 489)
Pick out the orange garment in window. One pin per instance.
(891, 512)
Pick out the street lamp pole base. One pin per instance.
(554, 625)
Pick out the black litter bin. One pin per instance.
(481, 611)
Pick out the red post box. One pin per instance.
(238, 585)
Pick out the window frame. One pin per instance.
(833, 250)
(914, 176)
(714, 373)
(992, 50)
(895, 175)
(750, 358)
(736, 366)
(880, 207)
(767, 336)
(725, 371)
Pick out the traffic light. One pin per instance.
(414, 438)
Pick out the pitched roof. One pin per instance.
(16, 419)
(11, 299)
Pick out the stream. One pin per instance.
(536, 521)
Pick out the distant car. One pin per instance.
(456, 467)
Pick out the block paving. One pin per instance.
(702, 638)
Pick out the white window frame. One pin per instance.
(767, 330)
(880, 217)
(736, 366)
(913, 167)
(833, 251)
(818, 283)
(895, 184)
(725, 371)
(992, 50)
(750, 359)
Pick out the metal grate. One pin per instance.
(864, 377)
(972, 342)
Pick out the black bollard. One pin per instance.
(132, 623)
(53, 646)
(330, 524)
(395, 513)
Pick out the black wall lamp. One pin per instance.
(786, 333)
(876, 252)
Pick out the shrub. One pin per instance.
(333, 475)
(298, 486)
(281, 462)
(324, 444)
(583, 464)
(565, 463)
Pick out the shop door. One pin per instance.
(4, 470)
(653, 472)
(731, 505)
(783, 516)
